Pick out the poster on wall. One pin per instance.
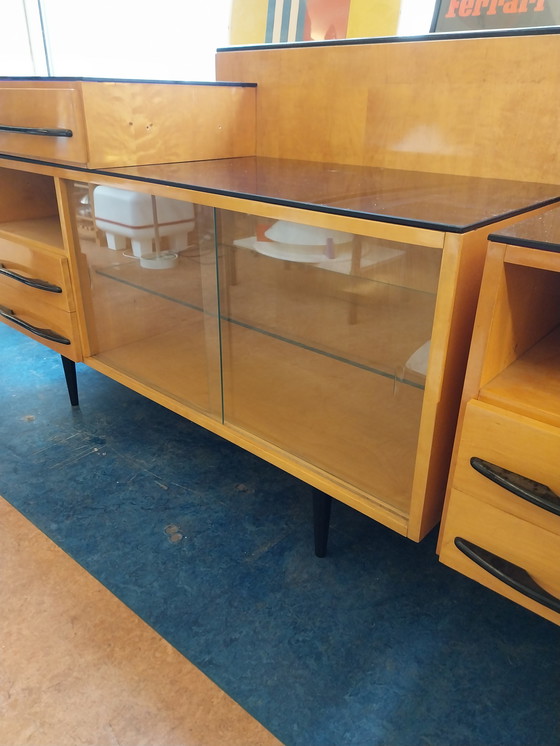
(477, 15)
(287, 21)
(306, 20)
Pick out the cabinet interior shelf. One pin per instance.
(169, 285)
(530, 386)
(42, 233)
(173, 285)
(184, 372)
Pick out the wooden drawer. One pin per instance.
(108, 123)
(519, 445)
(41, 321)
(44, 121)
(521, 553)
(36, 275)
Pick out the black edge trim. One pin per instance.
(374, 217)
(216, 83)
(436, 36)
(524, 242)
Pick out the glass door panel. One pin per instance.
(325, 341)
(152, 304)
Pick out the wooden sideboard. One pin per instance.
(317, 305)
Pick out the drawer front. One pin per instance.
(38, 275)
(517, 444)
(45, 323)
(524, 556)
(44, 123)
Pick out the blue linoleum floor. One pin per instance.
(376, 644)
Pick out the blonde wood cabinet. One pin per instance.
(281, 264)
(288, 317)
(502, 516)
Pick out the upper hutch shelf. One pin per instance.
(100, 123)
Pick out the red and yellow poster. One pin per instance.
(306, 20)
(280, 21)
(472, 15)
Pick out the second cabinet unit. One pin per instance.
(502, 518)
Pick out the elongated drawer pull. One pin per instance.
(513, 575)
(43, 131)
(31, 281)
(535, 492)
(7, 313)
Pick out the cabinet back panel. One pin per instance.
(483, 106)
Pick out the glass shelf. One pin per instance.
(174, 285)
(334, 305)
(330, 314)
(373, 311)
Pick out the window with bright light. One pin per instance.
(164, 40)
(415, 17)
(16, 55)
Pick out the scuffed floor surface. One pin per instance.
(78, 667)
(378, 644)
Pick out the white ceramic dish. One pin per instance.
(159, 261)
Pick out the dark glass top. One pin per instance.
(539, 232)
(51, 78)
(434, 201)
(431, 37)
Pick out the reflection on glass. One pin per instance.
(144, 220)
(152, 305)
(325, 340)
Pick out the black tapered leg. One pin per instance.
(321, 520)
(71, 380)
